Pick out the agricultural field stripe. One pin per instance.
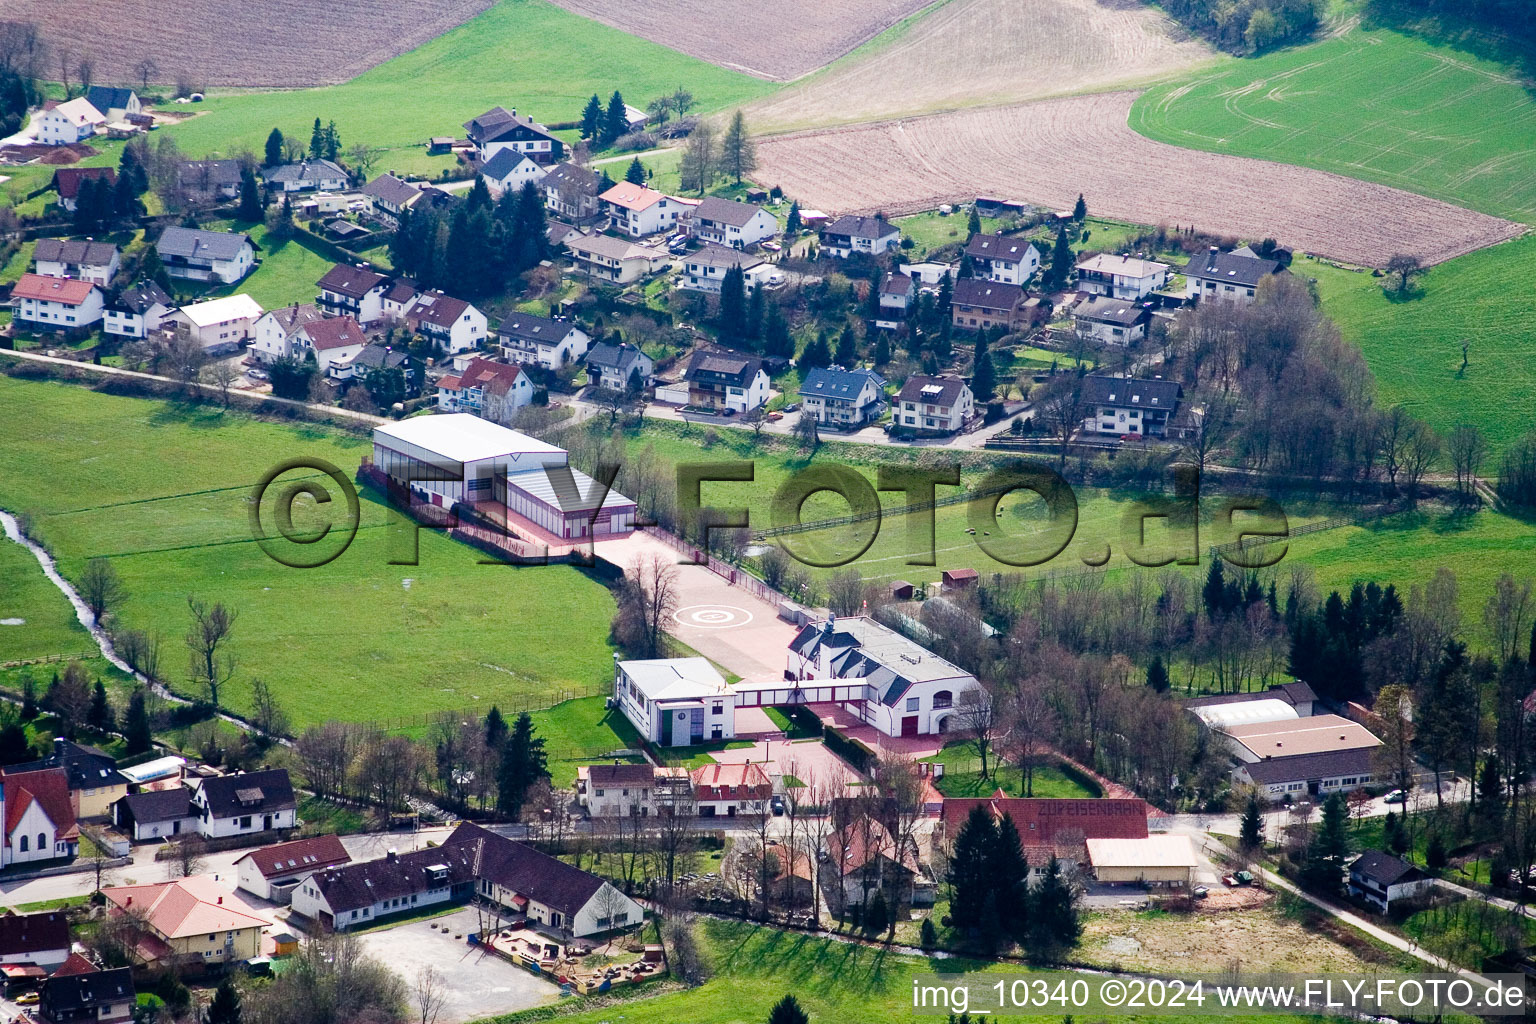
(172, 497)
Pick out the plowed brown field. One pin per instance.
(778, 40)
(1048, 152)
(255, 43)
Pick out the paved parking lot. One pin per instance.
(478, 984)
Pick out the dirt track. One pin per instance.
(988, 52)
(779, 41)
(255, 43)
(1048, 152)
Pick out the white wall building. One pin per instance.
(276, 328)
(218, 324)
(69, 122)
(96, 262)
(675, 702)
(137, 311)
(541, 341)
(55, 303)
(1121, 277)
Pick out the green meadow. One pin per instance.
(1377, 105)
(523, 54)
(164, 490)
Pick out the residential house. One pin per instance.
(929, 273)
(898, 293)
(41, 940)
(729, 223)
(187, 922)
(875, 673)
(675, 702)
(207, 181)
(376, 356)
(334, 340)
(87, 995)
(276, 329)
(540, 341)
(39, 817)
(726, 381)
(558, 232)
(845, 399)
(273, 872)
(1379, 878)
(69, 122)
(96, 262)
(705, 268)
(114, 103)
(138, 311)
(55, 304)
(486, 388)
(452, 323)
(942, 404)
(731, 790)
(638, 211)
(979, 304)
(218, 256)
(1216, 276)
(617, 790)
(307, 176)
(1121, 277)
(1003, 260)
(244, 803)
(499, 130)
(354, 291)
(571, 191)
(867, 858)
(155, 814)
(218, 325)
(67, 182)
(614, 259)
(510, 170)
(613, 366)
(1129, 405)
(95, 784)
(848, 236)
(391, 197)
(1111, 321)
(398, 298)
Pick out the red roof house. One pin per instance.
(1056, 826)
(39, 817)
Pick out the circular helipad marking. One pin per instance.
(712, 616)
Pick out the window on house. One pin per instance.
(912, 703)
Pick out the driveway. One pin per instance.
(807, 760)
(476, 984)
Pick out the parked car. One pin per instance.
(29, 998)
(777, 803)
(1201, 892)
(256, 374)
(772, 246)
(1397, 796)
(775, 416)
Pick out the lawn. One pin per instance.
(35, 618)
(1413, 346)
(1377, 105)
(288, 272)
(162, 489)
(581, 731)
(1465, 931)
(527, 54)
(962, 776)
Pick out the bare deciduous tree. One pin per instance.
(100, 587)
(429, 994)
(144, 69)
(1508, 613)
(207, 641)
(189, 859)
(976, 718)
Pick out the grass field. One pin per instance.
(1414, 346)
(1376, 105)
(527, 54)
(962, 777)
(163, 491)
(581, 731)
(35, 619)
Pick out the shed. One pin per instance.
(1153, 860)
(901, 590)
(957, 579)
(757, 195)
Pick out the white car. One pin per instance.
(1397, 796)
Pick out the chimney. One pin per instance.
(129, 902)
(58, 745)
(392, 856)
(221, 901)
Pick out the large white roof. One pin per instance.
(221, 311)
(462, 437)
(675, 678)
(1158, 851)
(1269, 709)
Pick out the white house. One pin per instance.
(874, 673)
(69, 123)
(726, 381)
(113, 102)
(611, 366)
(55, 303)
(1216, 276)
(571, 191)
(391, 197)
(1121, 277)
(499, 129)
(510, 170)
(731, 790)
(845, 399)
(334, 340)
(1129, 405)
(850, 235)
(222, 256)
(944, 404)
(137, 311)
(929, 273)
(1002, 259)
(486, 388)
(218, 324)
(453, 323)
(39, 820)
(614, 259)
(276, 329)
(1379, 878)
(1111, 321)
(621, 790)
(273, 872)
(96, 262)
(155, 814)
(306, 176)
(245, 803)
(540, 341)
(675, 702)
(638, 211)
(729, 223)
(41, 940)
(705, 268)
(353, 291)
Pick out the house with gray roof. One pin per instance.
(1379, 878)
(1129, 405)
(307, 176)
(1111, 321)
(610, 365)
(391, 197)
(114, 103)
(730, 382)
(1216, 276)
(207, 181)
(1003, 259)
(224, 257)
(842, 399)
(541, 341)
(729, 223)
(934, 405)
(96, 262)
(705, 268)
(509, 170)
(137, 311)
(571, 191)
(848, 236)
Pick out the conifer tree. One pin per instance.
(592, 119)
